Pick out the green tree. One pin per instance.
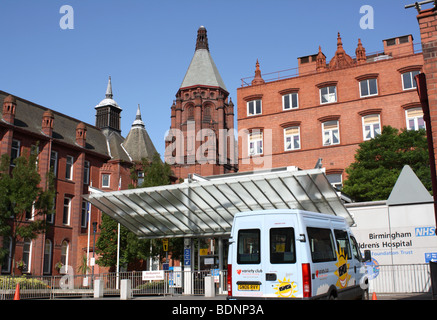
(156, 173)
(24, 203)
(378, 163)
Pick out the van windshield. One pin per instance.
(282, 246)
(248, 246)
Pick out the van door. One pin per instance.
(324, 260)
(282, 279)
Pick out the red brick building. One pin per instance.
(201, 119)
(325, 109)
(84, 158)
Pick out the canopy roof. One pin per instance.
(207, 208)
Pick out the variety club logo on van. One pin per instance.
(342, 271)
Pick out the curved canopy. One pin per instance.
(207, 207)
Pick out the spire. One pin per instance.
(320, 60)
(341, 59)
(109, 89)
(138, 121)
(202, 39)
(360, 53)
(257, 79)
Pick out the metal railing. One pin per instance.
(413, 278)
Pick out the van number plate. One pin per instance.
(248, 287)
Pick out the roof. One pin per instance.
(28, 117)
(207, 208)
(408, 189)
(202, 69)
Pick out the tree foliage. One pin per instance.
(378, 163)
(24, 203)
(156, 173)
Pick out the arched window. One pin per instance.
(47, 267)
(64, 253)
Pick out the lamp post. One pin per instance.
(94, 250)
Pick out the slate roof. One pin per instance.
(202, 69)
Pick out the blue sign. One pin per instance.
(187, 257)
(425, 231)
(430, 256)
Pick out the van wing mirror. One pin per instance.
(367, 256)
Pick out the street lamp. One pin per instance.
(94, 250)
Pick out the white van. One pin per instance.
(294, 254)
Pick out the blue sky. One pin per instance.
(146, 47)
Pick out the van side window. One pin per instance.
(249, 246)
(343, 243)
(321, 244)
(356, 249)
(282, 246)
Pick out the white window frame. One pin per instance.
(337, 185)
(67, 252)
(254, 103)
(330, 133)
(372, 126)
(66, 214)
(54, 159)
(415, 118)
(255, 143)
(84, 215)
(47, 260)
(410, 73)
(107, 185)
(292, 136)
(86, 172)
(27, 263)
(368, 88)
(328, 95)
(69, 163)
(16, 146)
(289, 97)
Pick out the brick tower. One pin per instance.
(201, 135)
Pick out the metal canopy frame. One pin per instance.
(207, 208)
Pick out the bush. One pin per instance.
(10, 283)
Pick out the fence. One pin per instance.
(68, 286)
(383, 279)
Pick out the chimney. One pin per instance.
(9, 105)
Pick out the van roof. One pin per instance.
(287, 211)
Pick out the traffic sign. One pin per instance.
(187, 257)
(165, 244)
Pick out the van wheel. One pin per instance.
(332, 296)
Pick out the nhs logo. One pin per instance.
(425, 231)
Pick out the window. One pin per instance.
(356, 249)
(6, 263)
(336, 180)
(282, 246)
(255, 143)
(290, 101)
(254, 107)
(249, 246)
(408, 81)
(328, 94)
(54, 162)
(47, 264)
(64, 255)
(371, 126)
(86, 172)
(30, 214)
(321, 245)
(69, 168)
(84, 214)
(66, 213)
(50, 218)
(368, 88)
(343, 245)
(415, 119)
(15, 151)
(292, 138)
(105, 180)
(140, 175)
(331, 135)
(27, 254)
